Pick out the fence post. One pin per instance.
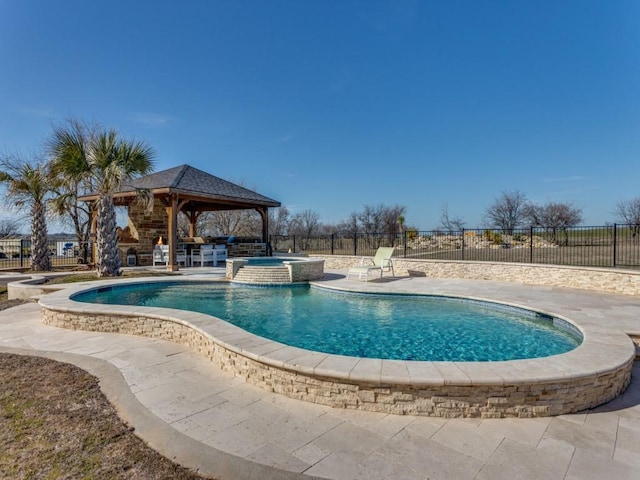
(530, 244)
(462, 232)
(404, 241)
(355, 244)
(332, 248)
(615, 244)
(21, 252)
(294, 244)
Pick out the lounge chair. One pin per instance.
(382, 262)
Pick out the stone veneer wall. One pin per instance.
(485, 401)
(232, 266)
(146, 227)
(626, 282)
(306, 270)
(247, 250)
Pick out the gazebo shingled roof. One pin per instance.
(201, 187)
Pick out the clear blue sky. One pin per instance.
(330, 105)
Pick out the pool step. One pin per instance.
(263, 275)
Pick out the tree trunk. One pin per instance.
(108, 255)
(40, 258)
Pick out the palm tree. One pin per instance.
(106, 163)
(28, 187)
(68, 147)
(113, 162)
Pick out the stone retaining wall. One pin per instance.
(626, 282)
(515, 399)
(247, 250)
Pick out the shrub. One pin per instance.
(491, 236)
(412, 234)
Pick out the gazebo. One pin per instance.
(180, 189)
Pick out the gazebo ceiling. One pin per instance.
(195, 190)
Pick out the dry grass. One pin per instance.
(55, 423)
(89, 276)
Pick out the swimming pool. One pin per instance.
(269, 261)
(395, 327)
(596, 371)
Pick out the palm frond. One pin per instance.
(144, 198)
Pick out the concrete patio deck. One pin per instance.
(206, 419)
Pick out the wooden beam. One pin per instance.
(193, 220)
(172, 215)
(182, 204)
(264, 213)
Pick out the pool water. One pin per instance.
(269, 261)
(401, 327)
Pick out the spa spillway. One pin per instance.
(274, 270)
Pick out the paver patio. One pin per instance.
(191, 410)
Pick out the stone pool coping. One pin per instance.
(592, 374)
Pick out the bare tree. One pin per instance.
(184, 227)
(279, 221)
(350, 226)
(508, 212)
(628, 212)
(380, 219)
(370, 219)
(328, 229)
(9, 228)
(305, 225)
(278, 225)
(391, 219)
(230, 222)
(554, 217)
(449, 224)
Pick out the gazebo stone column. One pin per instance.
(147, 227)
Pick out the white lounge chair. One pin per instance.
(381, 262)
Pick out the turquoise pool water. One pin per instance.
(398, 327)
(269, 261)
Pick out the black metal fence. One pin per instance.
(16, 253)
(602, 246)
(608, 246)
